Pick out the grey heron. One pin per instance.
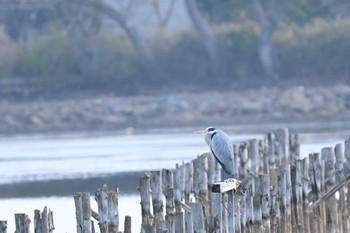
(221, 147)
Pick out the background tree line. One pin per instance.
(87, 43)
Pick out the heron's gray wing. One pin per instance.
(222, 148)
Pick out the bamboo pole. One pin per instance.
(3, 226)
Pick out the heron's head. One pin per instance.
(209, 131)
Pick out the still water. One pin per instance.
(47, 157)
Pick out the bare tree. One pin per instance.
(119, 15)
(269, 15)
(204, 29)
(162, 16)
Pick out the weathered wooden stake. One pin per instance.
(157, 199)
(342, 210)
(127, 224)
(168, 191)
(331, 205)
(43, 222)
(22, 223)
(3, 226)
(145, 193)
(83, 212)
(198, 217)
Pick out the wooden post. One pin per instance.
(347, 172)
(305, 185)
(214, 169)
(231, 211)
(244, 160)
(101, 197)
(200, 180)
(257, 207)
(145, 194)
(215, 224)
(275, 215)
(22, 223)
(180, 225)
(294, 145)
(157, 199)
(253, 155)
(189, 181)
(235, 162)
(43, 222)
(188, 222)
(270, 150)
(178, 178)
(113, 212)
(282, 145)
(342, 210)
(331, 205)
(265, 166)
(3, 226)
(168, 191)
(297, 179)
(220, 210)
(83, 212)
(198, 217)
(265, 202)
(127, 224)
(318, 221)
(284, 189)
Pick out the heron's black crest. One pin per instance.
(210, 129)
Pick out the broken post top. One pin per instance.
(225, 186)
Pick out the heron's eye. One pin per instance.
(210, 129)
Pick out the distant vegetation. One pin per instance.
(67, 43)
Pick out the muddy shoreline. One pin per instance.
(106, 112)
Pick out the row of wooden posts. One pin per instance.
(43, 222)
(275, 190)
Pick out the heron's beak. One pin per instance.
(200, 132)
